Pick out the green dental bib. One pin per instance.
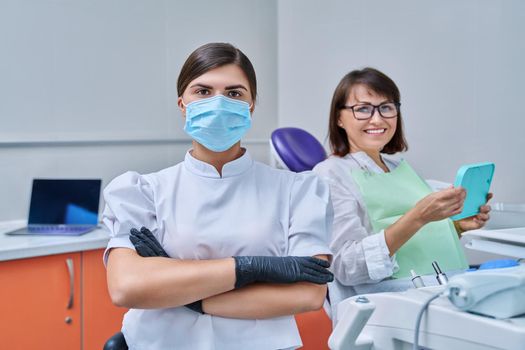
(387, 197)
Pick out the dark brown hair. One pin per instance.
(379, 83)
(214, 55)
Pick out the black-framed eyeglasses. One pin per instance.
(363, 111)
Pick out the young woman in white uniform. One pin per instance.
(377, 208)
(230, 225)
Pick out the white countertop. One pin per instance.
(19, 247)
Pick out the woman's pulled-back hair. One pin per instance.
(214, 55)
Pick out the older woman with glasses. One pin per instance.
(388, 221)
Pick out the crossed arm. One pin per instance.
(157, 282)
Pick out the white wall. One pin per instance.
(458, 64)
(88, 87)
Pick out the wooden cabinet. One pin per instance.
(56, 302)
(39, 308)
(101, 318)
(315, 328)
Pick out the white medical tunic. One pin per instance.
(197, 214)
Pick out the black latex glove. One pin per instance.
(287, 269)
(147, 246)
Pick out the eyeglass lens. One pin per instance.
(366, 111)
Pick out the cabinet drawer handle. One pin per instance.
(71, 270)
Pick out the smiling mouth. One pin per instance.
(375, 131)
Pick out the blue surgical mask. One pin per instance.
(217, 122)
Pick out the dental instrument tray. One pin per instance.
(476, 180)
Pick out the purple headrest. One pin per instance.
(298, 149)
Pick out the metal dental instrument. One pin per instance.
(417, 280)
(440, 276)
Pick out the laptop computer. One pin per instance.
(62, 207)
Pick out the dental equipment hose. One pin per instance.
(420, 316)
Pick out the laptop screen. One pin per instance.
(64, 202)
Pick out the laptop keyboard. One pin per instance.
(58, 228)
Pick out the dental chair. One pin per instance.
(295, 149)
(116, 342)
